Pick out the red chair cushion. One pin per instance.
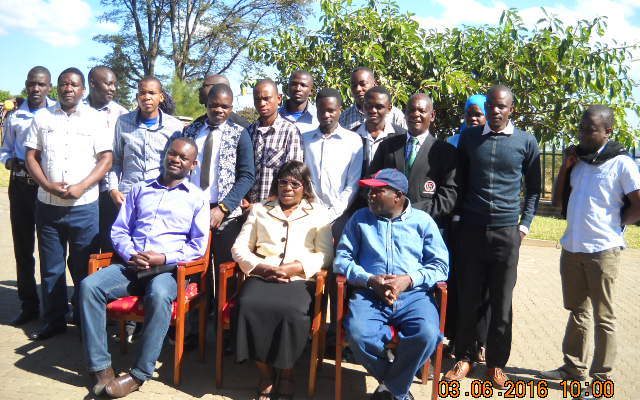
(135, 304)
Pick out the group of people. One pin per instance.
(368, 192)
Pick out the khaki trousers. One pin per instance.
(588, 282)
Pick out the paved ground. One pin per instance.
(55, 368)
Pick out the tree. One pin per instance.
(554, 69)
(185, 95)
(5, 95)
(197, 36)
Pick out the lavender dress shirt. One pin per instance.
(173, 221)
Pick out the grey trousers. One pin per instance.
(588, 283)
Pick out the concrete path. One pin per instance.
(55, 368)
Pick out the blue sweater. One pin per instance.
(491, 170)
(407, 245)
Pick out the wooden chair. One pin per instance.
(441, 292)
(227, 302)
(191, 296)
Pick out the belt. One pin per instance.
(23, 176)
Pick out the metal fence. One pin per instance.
(551, 160)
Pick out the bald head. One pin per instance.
(209, 81)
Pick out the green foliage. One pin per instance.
(554, 69)
(185, 95)
(5, 95)
(248, 113)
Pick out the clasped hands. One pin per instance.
(281, 274)
(66, 191)
(146, 259)
(388, 287)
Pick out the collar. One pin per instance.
(274, 209)
(508, 130)
(283, 109)
(421, 137)
(80, 108)
(364, 132)
(339, 133)
(156, 183)
(107, 107)
(406, 213)
(139, 120)
(205, 127)
(24, 107)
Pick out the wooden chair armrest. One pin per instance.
(318, 304)
(441, 290)
(99, 261)
(193, 267)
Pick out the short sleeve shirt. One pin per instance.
(69, 146)
(595, 203)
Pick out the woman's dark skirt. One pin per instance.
(273, 321)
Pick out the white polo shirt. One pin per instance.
(597, 196)
(69, 146)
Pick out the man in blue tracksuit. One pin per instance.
(393, 255)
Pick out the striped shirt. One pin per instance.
(352, 118)
(138, 150)
(272, 147)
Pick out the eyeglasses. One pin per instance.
(294, 184)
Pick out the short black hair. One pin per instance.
(605, 112)
(97, 68)
(220, 88)
(327, 93)
(378, 90)
(298, 170)
(266, 81)
(186, 139)
(364, 69)
(72, 70)
(150, 78)
(301, 72)
(501, 88)
(39, 69)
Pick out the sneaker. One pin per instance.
(559, 374)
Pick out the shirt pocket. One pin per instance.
(274, 158)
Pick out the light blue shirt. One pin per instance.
(173, 221)
(306, 122)
(138, 150)
(409, 244)
(335, 162)
(14, 133)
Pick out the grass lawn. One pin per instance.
(549, 228)
(4, 177)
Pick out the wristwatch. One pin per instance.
(224, 209)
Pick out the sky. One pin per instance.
(58, 33)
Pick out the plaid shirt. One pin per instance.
(352, 118)
(279, 144)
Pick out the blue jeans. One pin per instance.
(416, 319)
(58, 226)
(114, 282)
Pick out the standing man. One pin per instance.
(297, 108)
(140, 140)
(493, 160)
(102, 88)
(363, 79)
(599, 188)
(429, 164)
(334, 157)
(164, 221)
(203, 93)
(275, 140)
(69, 152)
(378, 125)
(23, 190)
(225, 169)
(392, 255)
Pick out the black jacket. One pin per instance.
(432, 186)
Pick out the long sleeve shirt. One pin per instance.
(409, 244)
(335, 162)
(138, 150)
(173, 221)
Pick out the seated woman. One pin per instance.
(281, 247)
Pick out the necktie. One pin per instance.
(412, 151)
(206, 159)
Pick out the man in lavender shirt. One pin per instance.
(162, 221)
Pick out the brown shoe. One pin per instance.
(122, 386)
(101, 379)
(459, 371)
(497, 377)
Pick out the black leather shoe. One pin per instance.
(24, 317)
(47, 331)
